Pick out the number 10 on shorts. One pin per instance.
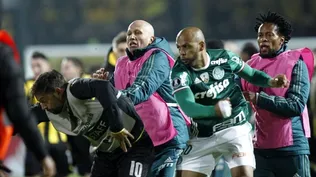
(136, 169)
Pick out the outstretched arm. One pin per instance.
(243, 70)
(254, 76)
(155, 71)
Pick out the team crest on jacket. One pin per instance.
(218, 73)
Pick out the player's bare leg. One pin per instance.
(242, 171)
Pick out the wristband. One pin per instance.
(115, 133)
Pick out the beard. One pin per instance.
(270, 54)
(56, 110)
(273, 53)
(187, 61)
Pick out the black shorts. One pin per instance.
(80, 154)
(272, 166)
(136, 162)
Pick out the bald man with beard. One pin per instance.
(144, 77)
(204, 87)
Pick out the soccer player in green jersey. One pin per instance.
(204, 87)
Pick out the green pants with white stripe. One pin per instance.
(287, 166)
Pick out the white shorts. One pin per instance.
(233, 144)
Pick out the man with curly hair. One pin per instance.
(282, 123)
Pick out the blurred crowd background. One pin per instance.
(51, 24)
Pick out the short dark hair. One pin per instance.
(48, 82)
(249, 48)
(215, 44)
(119, 38)
(76, 61)
(39, 55)
(284, 27)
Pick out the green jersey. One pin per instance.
(212, 83)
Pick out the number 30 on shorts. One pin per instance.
(136, 169)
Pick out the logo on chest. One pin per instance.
(213, 91)
(98, 131)
(218, 73)
(219, 61)
(205, 77)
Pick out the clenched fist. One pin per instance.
(279, 81)
(223, 108)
